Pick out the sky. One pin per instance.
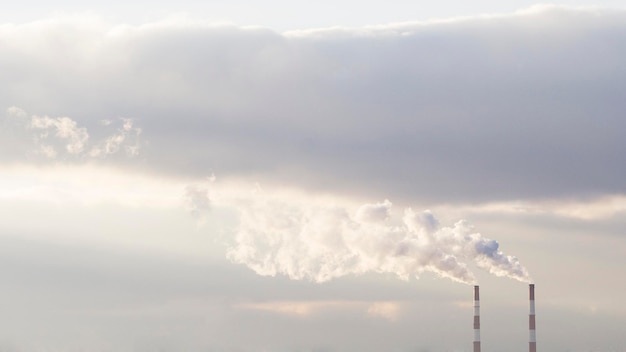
(294, 176)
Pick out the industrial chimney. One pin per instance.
(532, 344)
(477, 321)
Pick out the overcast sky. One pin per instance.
(203, 176)
(278, 15)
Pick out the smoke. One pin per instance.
(197, 199)
(319, 241)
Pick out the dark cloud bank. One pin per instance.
(515, 106)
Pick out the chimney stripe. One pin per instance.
(532, 338)
(476, 320)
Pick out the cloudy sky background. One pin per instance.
(233, 177)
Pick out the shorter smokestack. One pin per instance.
(532, 344)
(476, 320)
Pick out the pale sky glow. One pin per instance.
(295, 176)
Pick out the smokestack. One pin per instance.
(532, 344)
(477, 320)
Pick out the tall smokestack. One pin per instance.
(532, 344)
(477, 320)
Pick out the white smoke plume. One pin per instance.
(320, 242)
(197, 199)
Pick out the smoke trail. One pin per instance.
(319, 242)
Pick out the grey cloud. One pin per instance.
(517, 106)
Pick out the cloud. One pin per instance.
(126, 139)
(586, 209)
(63, 136)
(385, 310)
(523, 105)
(65, 129)
(88, 185)
(302, 308)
